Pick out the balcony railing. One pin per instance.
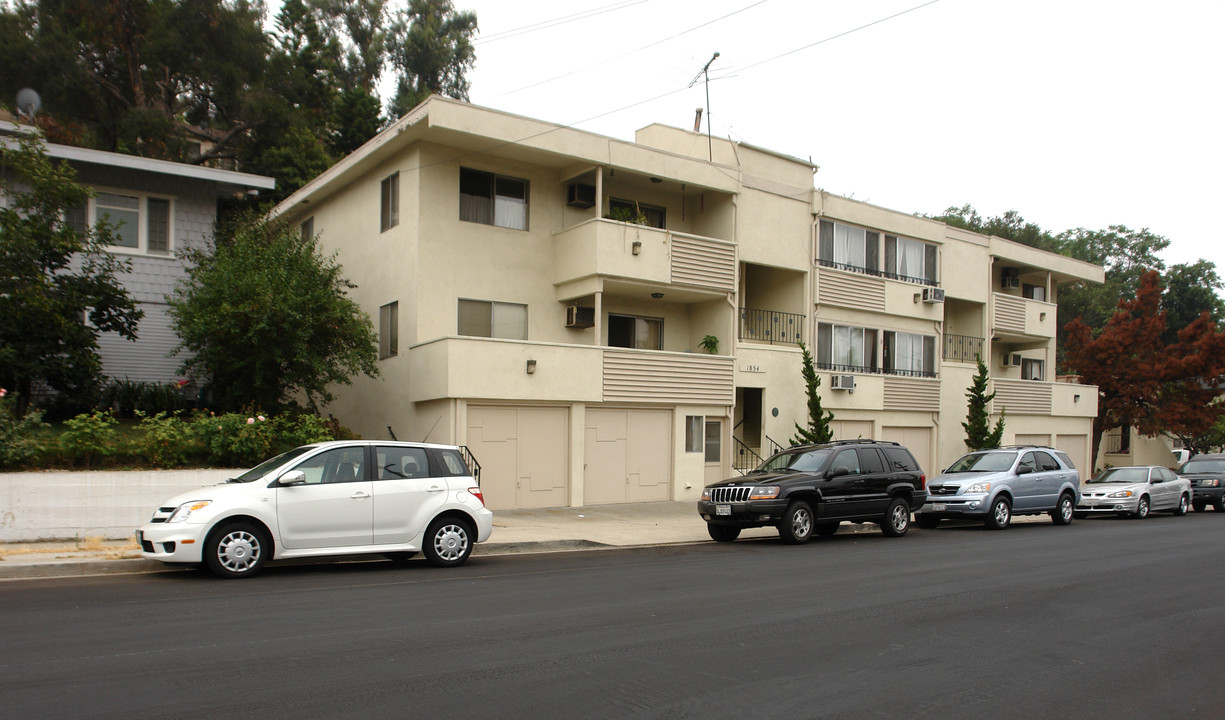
(963, 348)
(771, 326)
(878, 273)
(834, 367)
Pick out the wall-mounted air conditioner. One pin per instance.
(1012, 359)
(580, 317)
(933, 295)
(1011, 280)
(842, 382)
(581, 195)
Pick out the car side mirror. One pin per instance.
(293, 477)
(839, 471)
(1156, 481)
(1024, 470)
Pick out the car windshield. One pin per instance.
(984, 462)
(266, 466)
(1122, 475)
(1203, 466)
(799, 461)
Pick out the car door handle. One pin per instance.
(359, 495)
(436, 489)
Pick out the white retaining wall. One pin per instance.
(107, 504)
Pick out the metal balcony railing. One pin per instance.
(771, 326)
(963, 348)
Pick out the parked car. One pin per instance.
(1207, 475)
(813, 488)
(333, 498)
(1135, 491)
(995, 485)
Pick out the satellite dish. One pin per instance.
(28, 102)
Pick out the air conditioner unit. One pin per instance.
(581, 195)
(933, 295)
(1011, 281)
(580, 317)
(1012, 359)
(842, 382)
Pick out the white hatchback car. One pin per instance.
(333, 498)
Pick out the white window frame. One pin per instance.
(1027, 368)
(92, 216)
(494, 325)
(498, 210)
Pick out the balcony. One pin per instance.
(609, 249)
(771, 326)
(964, 348)
(1019, 320)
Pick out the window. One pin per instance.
(397, 463)
(635, 332)
(1031, 369)
(138, 223)
(1046, 463)
(841, 347)
(389, 330)
(910, 260)
(308, 228)
(479, 318)
(344, 464)
(693, 433)
(1033, 292)
(849, 248)
(389, 203)
(628, 210)
(848, 459)
(713, 441)
(492, 199)
(910, 354)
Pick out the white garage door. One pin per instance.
(628, 456)
(522, 452)
(1077, 448)
(918, 440)
(851, 429)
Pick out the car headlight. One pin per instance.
(706, 494)
(184, 511)
(977, 489)
(768, 492)
(1120, 494)
(1210, 482)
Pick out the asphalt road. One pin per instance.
(1102, 619)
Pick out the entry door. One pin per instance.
(714, 451)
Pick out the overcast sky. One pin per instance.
(1075, 113)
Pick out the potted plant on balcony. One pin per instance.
(710, 344)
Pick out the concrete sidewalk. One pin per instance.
(514, 531)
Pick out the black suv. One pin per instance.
(813, 488)
(1207, 476)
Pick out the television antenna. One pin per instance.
(28, 103)
(705, 73)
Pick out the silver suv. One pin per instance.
(993, 485)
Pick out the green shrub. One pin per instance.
(130, 398)
(167, 440)
(89, 437)
(18, 439)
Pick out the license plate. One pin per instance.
(939, 507)
(723, 509)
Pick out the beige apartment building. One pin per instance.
(603, 321)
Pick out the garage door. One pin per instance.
(918, 440)
(523, 456)
(851, 429)
(628, 456)
(1076, 447)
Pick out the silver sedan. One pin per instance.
(1135, 491)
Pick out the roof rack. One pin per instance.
(862, 441)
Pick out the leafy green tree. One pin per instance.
(1191, 289)
(267, 316)
(430, 47)
(364, 27)
(818, 430)
(52, 277)
(979, 433)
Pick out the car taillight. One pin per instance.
(476, 493)
(923, 480)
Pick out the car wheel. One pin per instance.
(927, 522)
(797, 524)
(448, 542)
(1219, 504)
(400, 558)
(722, 533)
(897, 518)
(236, 550)
(1141, 508)
(1183, 503)
(1199, 505)
(999, 515)
(826, 529)
(1064, 511)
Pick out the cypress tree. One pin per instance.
(818, 430)
(979, 434)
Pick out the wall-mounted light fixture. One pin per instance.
(637, 247)
(916, 297)
(1041, 316)
(1075, 398)
(656, 180)
(531, 367)
(657, 295)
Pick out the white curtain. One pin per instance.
(848, 346)
(849, 243)
(909, 258)
(908, 352)
(509, 212)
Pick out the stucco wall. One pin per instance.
(107, 504)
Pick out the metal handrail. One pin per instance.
(745, 458)
(473, 466)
